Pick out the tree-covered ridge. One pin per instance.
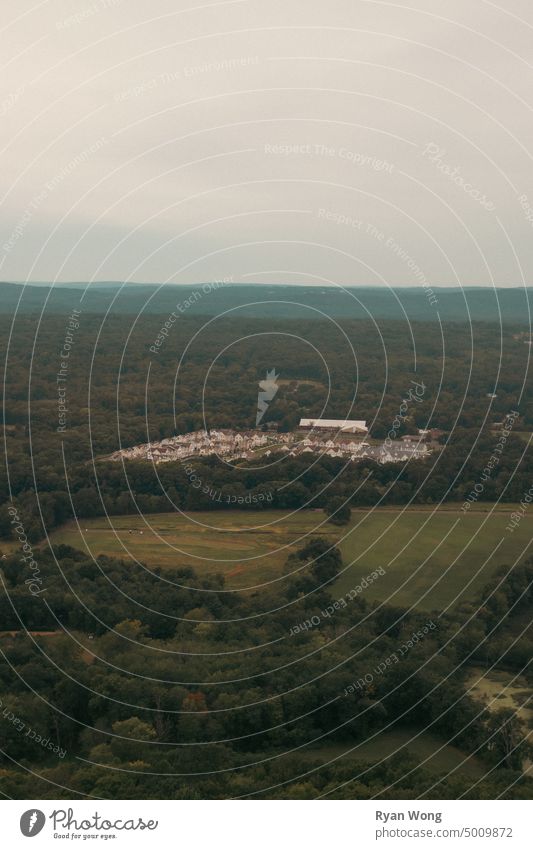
(403, 303)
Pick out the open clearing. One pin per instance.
(248, 548)
(434, 754)
(500, 689)
(431, 559)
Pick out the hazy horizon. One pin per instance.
(364, 144)
(135, 283)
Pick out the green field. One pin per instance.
(248, 548)
(430, 560)
(434, 754)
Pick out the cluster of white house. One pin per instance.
(234, 445)
(391, 453)
(201, 443)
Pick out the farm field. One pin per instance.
(248, 548)
(431, 561)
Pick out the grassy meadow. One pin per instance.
(432, 559)
(248, 548)
(435, 755)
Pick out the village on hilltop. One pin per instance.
(330, 437)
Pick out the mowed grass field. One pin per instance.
(248, 548)
(431, 559)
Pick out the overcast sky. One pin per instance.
(352, 141)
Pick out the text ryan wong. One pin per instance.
(395, 816)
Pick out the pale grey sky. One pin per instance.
(352, 141)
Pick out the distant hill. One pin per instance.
(512, 306)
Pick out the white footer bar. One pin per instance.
(267, 824)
